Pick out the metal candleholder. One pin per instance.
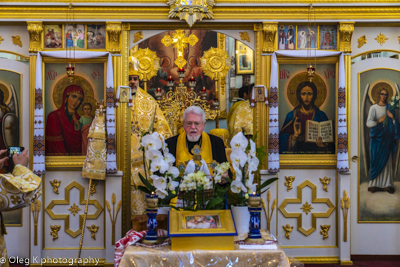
(255, 209)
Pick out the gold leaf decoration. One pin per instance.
(325, 181)
(244, 36)
(289, 181)
(16, 40)
(1, 39)
(54, 231)
(362, 41)
(381, 39)
(324, 231)
(288, 229)
(93, 230)
(74, 209)
(215, 63)
(306, 208)
(138, 36)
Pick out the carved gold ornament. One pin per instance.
(191, 11)
(362, 41)
(148, 62)
(93, 230)
(66, 201)
(216, 63)
(138, 36)
(55, 184)
(288, 229)
(268, 214)
(93, 187)
(244, 36)
(299, 215)
(16, 40)
(345, 32)
(1, 39)
(35, 208)
(325, 181)
(113, 216)
(54, 231)
(180, 42)
(306, 208)
(381, 38)
(324, 231)
(270, 30)
(35, 29)
(74, 209)
(398, 39)
(289, 181)
(113, 30)
(345, 205)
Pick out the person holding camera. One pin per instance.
(21, 186)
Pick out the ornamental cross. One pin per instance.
(180, 41)
(196, 151)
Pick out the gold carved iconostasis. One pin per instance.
(240, 74)
(313, 211)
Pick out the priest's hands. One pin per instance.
(22, 158)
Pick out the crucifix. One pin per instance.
(180, 41)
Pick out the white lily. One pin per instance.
(238, 186)
(172, 185)
(169, 158)
(174, 171)
(153, 155)
(217, 178)
(239, 142)
(159, 182)
(161, 193)
(238, 158)
(159, 165)
(151, 141)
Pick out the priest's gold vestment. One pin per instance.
(240, 116)
(143, 108)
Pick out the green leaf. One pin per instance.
(175, 208)
(146, 183)
(266, 183)
(144, 189)
(213, 202)
(264, 191)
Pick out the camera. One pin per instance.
(14, 150)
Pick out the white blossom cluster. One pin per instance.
(192, 181)
(240, 157)
(160, 163)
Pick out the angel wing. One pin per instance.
(396, 155)
(364, 130)
(13, 105)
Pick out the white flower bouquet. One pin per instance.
(245, 164)
(161, 177)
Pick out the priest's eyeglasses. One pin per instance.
(190, 123)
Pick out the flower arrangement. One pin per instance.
(193, 186)
(161, 176)
(394, 103)
(245, 162)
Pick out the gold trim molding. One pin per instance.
(299, 215)
(35, 29)
(113, 30)
(345, 32)
(219, 2)
(311, 260)
(270, 29)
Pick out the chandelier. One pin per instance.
(176, 100)
(310, 61)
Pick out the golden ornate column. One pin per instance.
(123, 116)
(113, 36)
(35, 29)
(222, 80)
(265, 34)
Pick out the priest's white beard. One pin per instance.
(193, 138)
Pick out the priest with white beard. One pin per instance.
(212, 147)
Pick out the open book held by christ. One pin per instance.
(315, 129)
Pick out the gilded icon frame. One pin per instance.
(68, 161)
(312, 160)
(244, 52)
